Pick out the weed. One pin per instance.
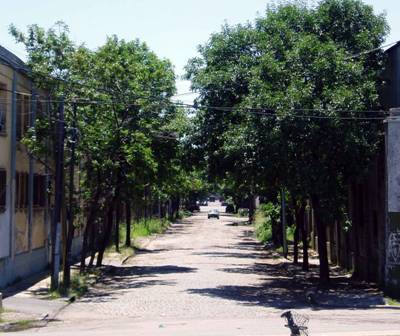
(262, 227)
(21, 325)
(392, 302)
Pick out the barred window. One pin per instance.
(3, 190)
(3, 108)
(21, 187)
(39, 190)
(23, 114)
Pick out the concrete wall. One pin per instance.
(393, 203)
(6, 75)
(24, 230)
(29, 263)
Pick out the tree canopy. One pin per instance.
(287, 101)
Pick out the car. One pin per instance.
(213, 214)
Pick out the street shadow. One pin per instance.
(139, 251)
(179, 228)
(24, 284)
(286, 293)
(228, 255)
(238, 223)
(117, 280)
(286, 286)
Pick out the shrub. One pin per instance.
(265, 216)
(243, 212)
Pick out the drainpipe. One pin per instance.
(13, 160)
(32, 118)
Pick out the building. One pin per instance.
(24, 201)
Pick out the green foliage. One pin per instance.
(293, 68)
(149, 226)
(392, 302)
(79, 284)
(243, 212)
(263, 227)
(183, 214)
(131, 141)
(265, 215)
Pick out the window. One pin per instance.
(22, 190)
(21, 187)
(23, 113)
(39, 190)
(3, 108)
(3, 190)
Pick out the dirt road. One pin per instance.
(210, 277)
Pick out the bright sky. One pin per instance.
(171, 28)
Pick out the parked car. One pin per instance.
(214, 213)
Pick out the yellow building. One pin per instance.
(24, 204)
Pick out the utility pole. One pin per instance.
(70, 221)
(284, 241)
(58, 198)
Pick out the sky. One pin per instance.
(171, 28)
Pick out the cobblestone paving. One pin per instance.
(207, 270)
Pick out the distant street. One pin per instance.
(210, 277)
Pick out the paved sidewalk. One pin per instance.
(27, 302)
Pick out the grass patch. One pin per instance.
(55, 294)
(148, 227)
(392, 302)
(140, 228)
(80, 284)
(243, 212)
(262, 227)
(21, 325)
(290, 233)
(183, 214)
(1, 317)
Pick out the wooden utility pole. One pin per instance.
(70, 227)
(58, 199)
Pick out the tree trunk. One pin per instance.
(68, 254)
(106, 236)
(92, 243)
(88, 229)
(296, 237)
(128, 224)
(322, 249)
(117, 221)
(252, 208)
(304, 236)
(276, 233)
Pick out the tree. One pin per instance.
(291, 81)
(118, 104)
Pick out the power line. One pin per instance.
(258, 110)
(372, 50)
(270, 112)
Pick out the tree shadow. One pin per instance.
(117, 280)
(227, 255)
(287, 286)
